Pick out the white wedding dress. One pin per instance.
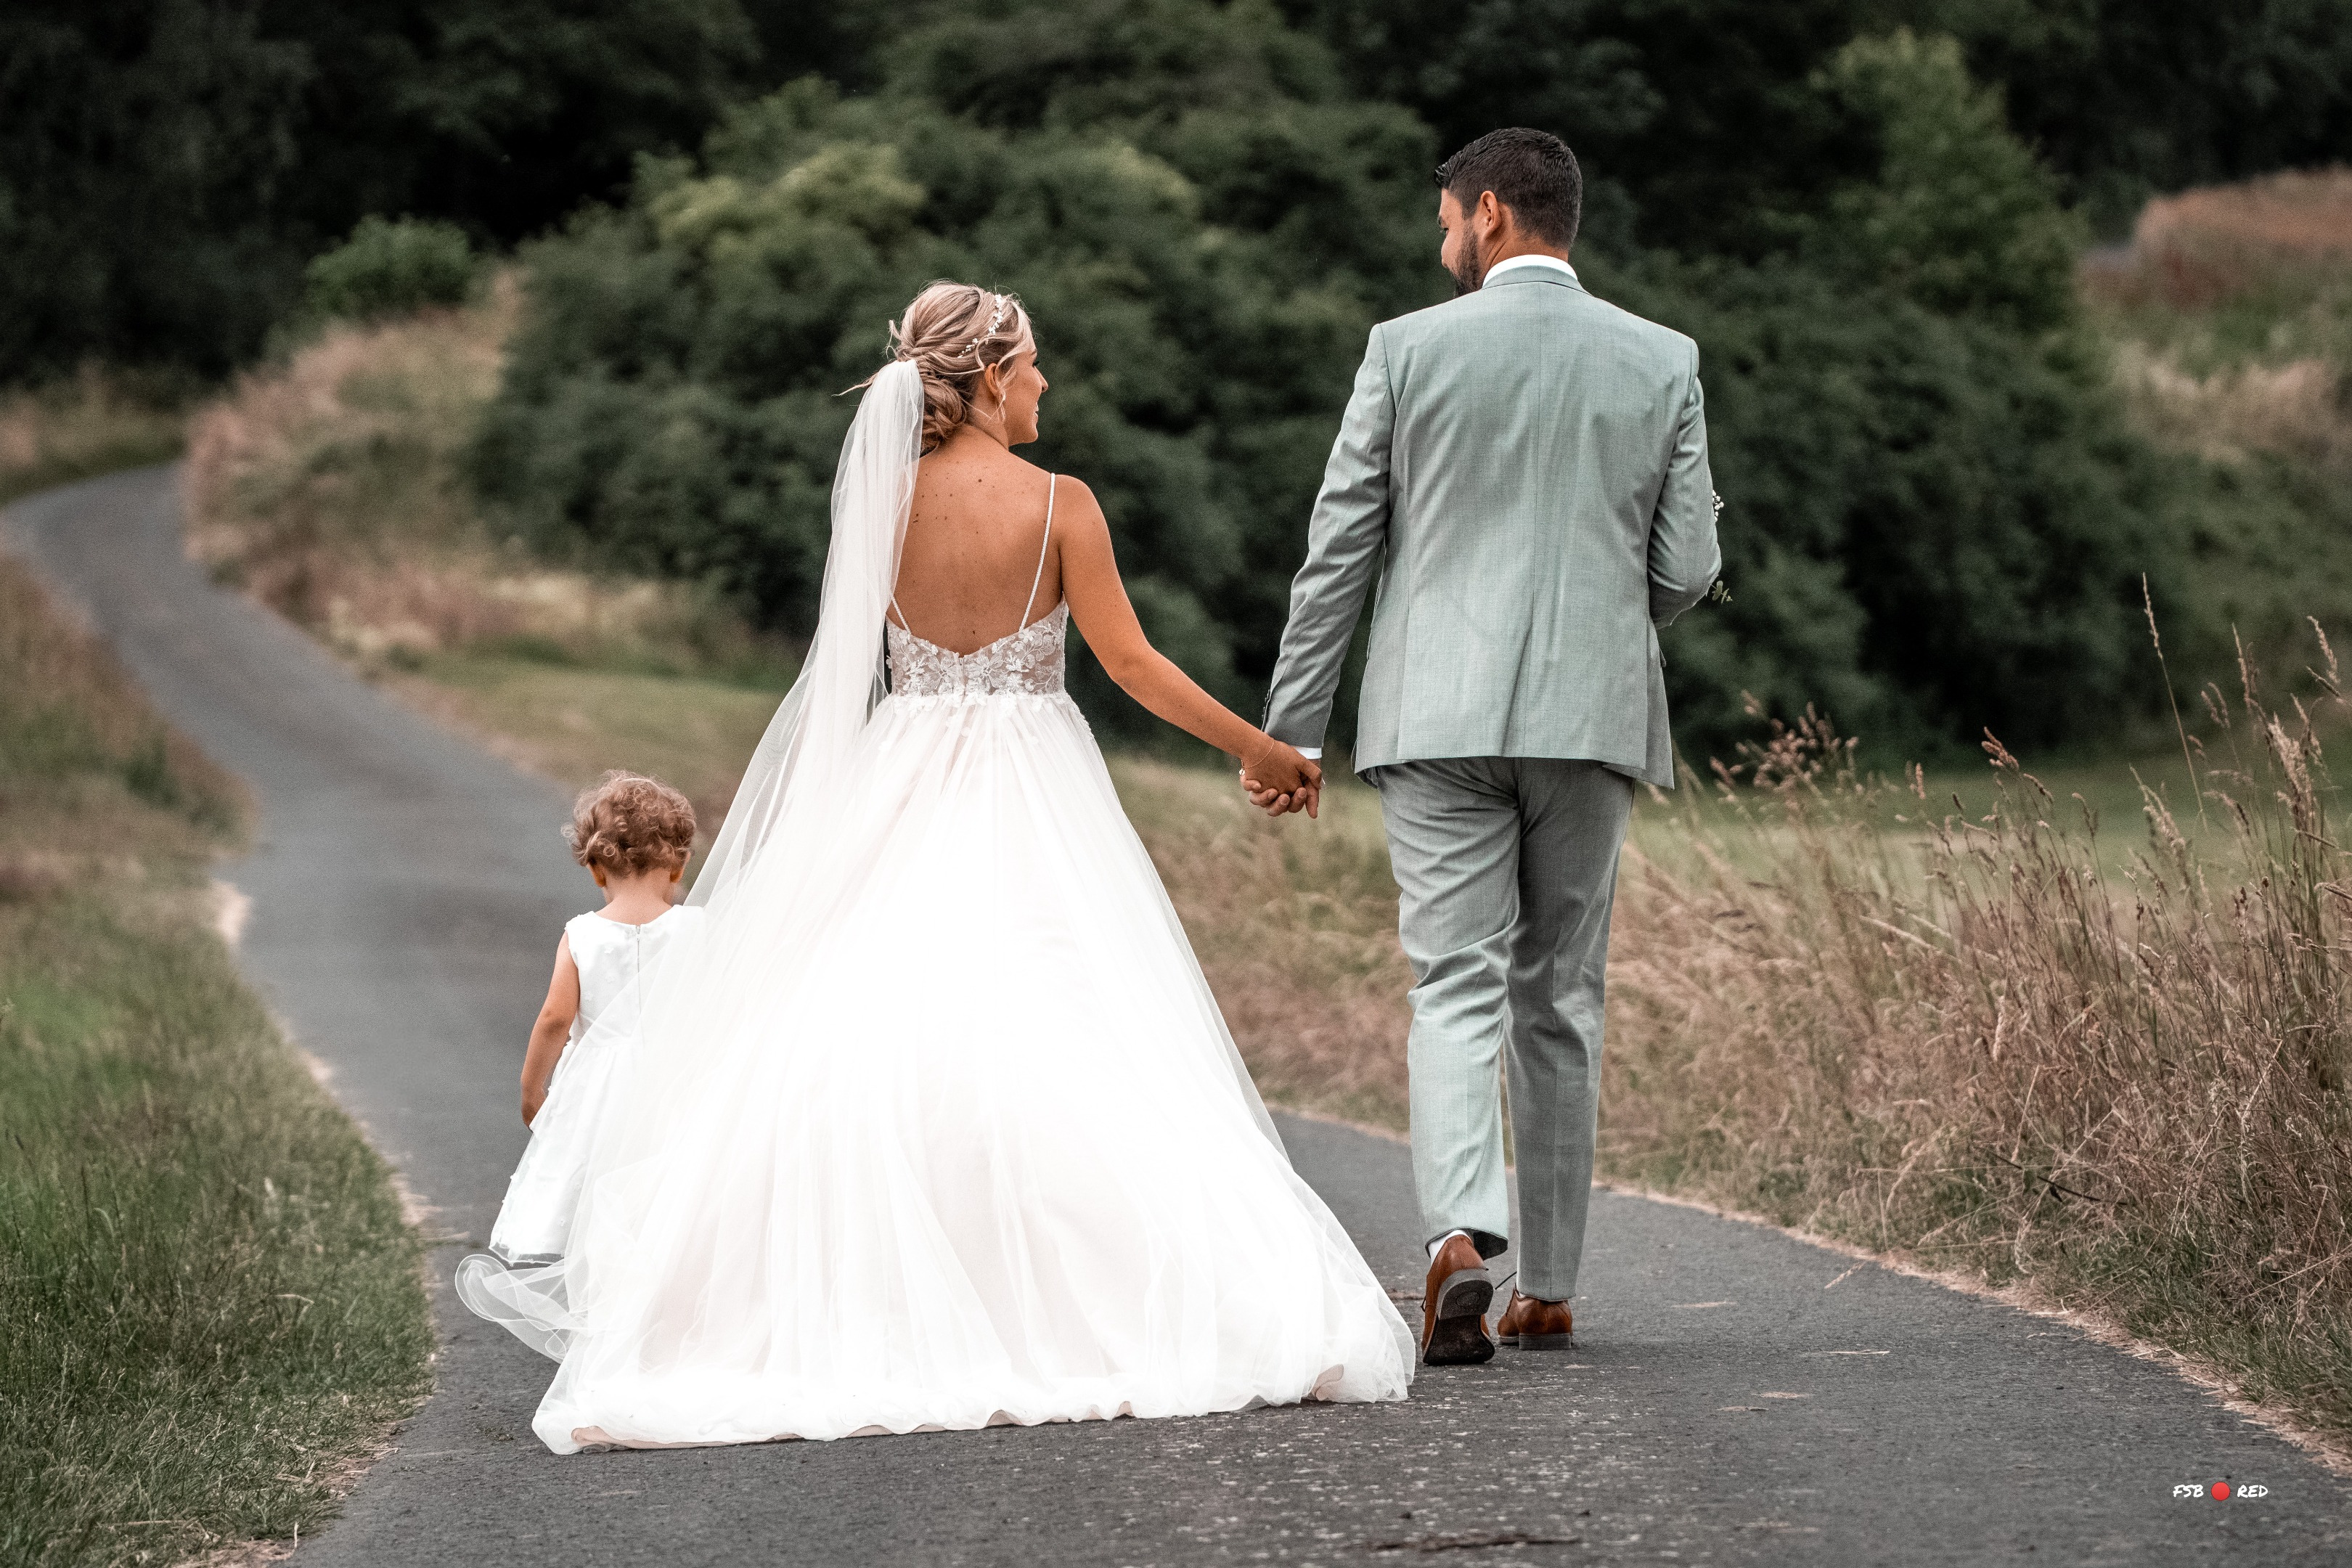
(934, 1123)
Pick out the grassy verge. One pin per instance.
(210, 1306)
(572, 721)
(90, 424)
(332, 487)
(1968, 1041)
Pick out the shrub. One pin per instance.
(1936, 520)
(390, 269)
(672, 401)
(1932, 522)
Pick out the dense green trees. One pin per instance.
(168, 166)
(1698, 120)
(2130, 98)
(1204, 225)
(1936, 520)
(1699, 109)
(141, 147)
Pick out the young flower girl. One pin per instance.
(634, 834)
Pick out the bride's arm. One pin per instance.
(1098, 603)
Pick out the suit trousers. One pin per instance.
(1507, 866)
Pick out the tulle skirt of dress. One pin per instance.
(948, 1133)
(536, 1217)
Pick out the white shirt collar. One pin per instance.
(1530, 260)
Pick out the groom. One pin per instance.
(1525, 470)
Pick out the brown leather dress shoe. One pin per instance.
(1531, 1325)
(1453, 1307)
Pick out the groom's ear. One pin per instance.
(1493, 218)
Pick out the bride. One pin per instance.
(933, 1121)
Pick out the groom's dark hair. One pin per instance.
(1530, 171)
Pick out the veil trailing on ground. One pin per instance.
(796, 779)
(926, 1115)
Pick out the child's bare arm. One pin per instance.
(548, 1034)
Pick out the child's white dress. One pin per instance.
(612, 960)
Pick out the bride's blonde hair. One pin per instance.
(953, 331)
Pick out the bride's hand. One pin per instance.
(1281, 780)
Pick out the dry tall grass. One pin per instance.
(2233, 312)
(1294, 925)
(2194, 250)
(1971, 1040)
(1954, 1038)
(2295, 410)
(92, 424)
(331, 488)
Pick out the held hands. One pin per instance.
(1280, 781)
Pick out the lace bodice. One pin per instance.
(1026, 663)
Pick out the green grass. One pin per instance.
(572, 721)
(211, 1307)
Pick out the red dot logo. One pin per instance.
(2221, 1491)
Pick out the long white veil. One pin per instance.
(784, 975)
(781, 825)
(801, 758)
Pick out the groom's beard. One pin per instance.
(1468, 272)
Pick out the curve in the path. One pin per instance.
(1738, 1396)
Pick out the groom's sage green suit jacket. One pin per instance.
(1525, 470)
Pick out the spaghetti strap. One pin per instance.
(1037, 582)
(1034, 582)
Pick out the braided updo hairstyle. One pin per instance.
(953, 331)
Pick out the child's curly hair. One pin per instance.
(629, 825)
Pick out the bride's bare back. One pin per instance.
(980, 564)
(974, 540)
(972, 553)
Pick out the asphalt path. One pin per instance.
(1737, 1396)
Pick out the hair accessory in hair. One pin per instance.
(995, 320)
